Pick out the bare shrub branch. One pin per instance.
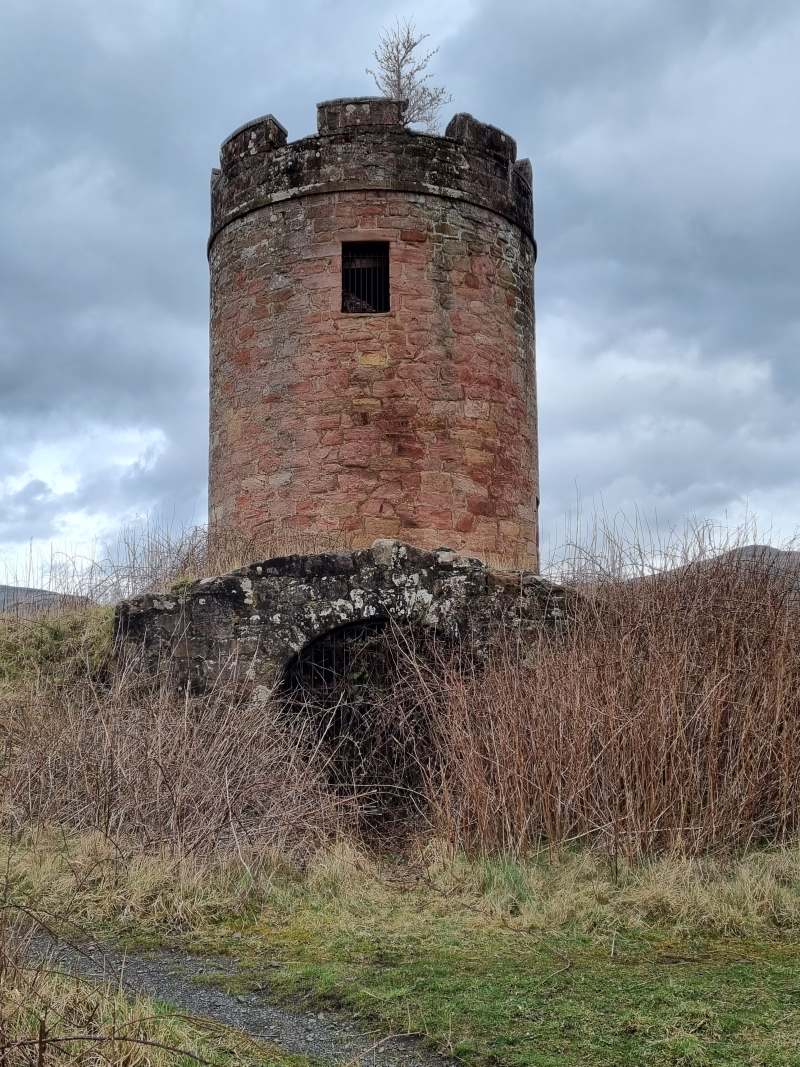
(666, 717)
(133, 757)
(401, 74)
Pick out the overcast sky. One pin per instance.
(664, 140)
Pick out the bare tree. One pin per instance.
(401, 74)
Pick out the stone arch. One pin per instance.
(329, 655)
(254, 620)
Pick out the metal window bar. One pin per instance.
(365, 277)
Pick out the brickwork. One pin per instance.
(419, 423)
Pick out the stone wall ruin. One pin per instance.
(253, 623)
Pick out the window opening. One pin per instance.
(365, 277)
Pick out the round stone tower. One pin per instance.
(372, 334)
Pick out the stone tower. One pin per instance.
(372, 333)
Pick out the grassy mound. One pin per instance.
(52, 648)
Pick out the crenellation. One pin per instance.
(357, 159)
(253, 139)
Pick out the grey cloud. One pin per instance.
(666, 169)
(30, 512)
(113, 116)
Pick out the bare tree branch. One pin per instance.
(401, 74)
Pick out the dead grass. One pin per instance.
(666, 717)
(635, 776)
(89, 880)
(151, 556)
(131, 757)
(54, 648)
(493, 958)
(48, 1017)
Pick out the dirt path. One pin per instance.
(173, 977)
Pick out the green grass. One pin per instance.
(495, 962)
(59, 647)
(496, 995)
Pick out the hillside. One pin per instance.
(22, 600)
(778, 560)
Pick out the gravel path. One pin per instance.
(172, 977)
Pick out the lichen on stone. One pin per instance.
(213, 629)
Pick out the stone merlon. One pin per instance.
(253, 139)
(335, 115)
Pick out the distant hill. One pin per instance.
(779, 560)
(19, 600)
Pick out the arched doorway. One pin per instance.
(367, 691)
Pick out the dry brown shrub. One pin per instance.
(135, 758)
(370, 695)
(668, 715)
(48, 1017)
(148, 556)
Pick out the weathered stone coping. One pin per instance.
(474, 163)
(252, 622)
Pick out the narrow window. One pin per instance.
(365, 277)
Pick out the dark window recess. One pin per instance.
(365, 277)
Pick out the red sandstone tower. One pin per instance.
(372, 333)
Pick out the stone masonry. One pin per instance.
(250, 623)
(418, 423)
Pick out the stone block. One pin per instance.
(335, 115)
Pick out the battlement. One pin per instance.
(363, 144)
(481, 137)
(253, 139)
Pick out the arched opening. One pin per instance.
(367, 690)
(340, 664)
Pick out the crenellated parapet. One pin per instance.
(362, 144)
